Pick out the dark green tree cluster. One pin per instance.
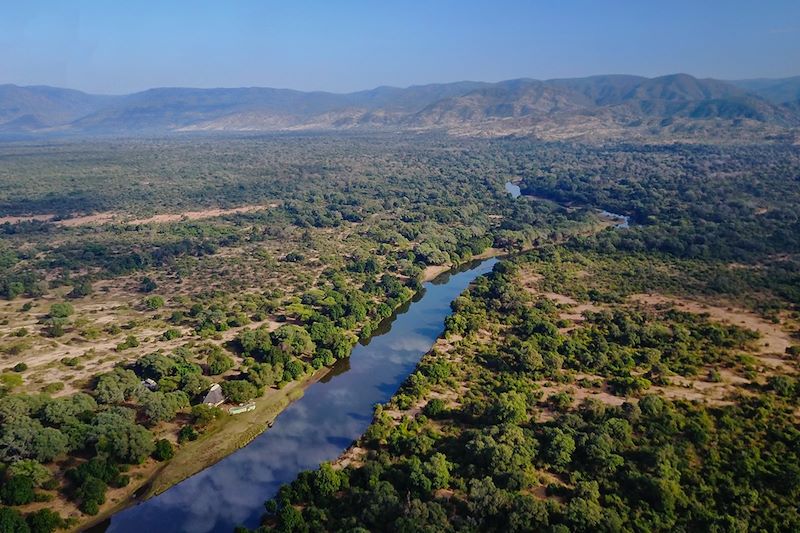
(489, 465)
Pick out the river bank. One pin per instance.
(328, 416)
(233, 434)
(223, 437)
(434, 271)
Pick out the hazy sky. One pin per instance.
(339, 45)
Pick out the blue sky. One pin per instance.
(119, 47)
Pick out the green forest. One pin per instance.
(531, 421)
(558, 400)
(639, 378)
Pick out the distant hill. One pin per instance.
(777, 91)
(601, 106)
(39, 107)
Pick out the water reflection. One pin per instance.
(622, 221)
(513, 189)
(318, 427)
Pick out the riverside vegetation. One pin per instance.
(132, 282)
(644, 379)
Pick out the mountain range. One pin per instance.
(597, 106)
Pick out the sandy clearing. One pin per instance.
(558, 298)
(773, 339)
(698, 389)
(432, 271)
(76, 220)
(24, 218)
(199, 215)
(352, 457)
(85, 220)
(575, 313)
(73, 221)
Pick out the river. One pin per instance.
(621, 221)
(513, 189)
(318, 427)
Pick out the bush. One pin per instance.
(54, 329)
(163, 451)
(435, 408)
(61, 310)
(32, 470)
(203, 415)
(147, 285)
(171, 334)
(187, 433)
(20, 367)
(153, 302)
(44, 521)
(17, 347)
(12, 521)
(17, 490)
(239, 391)
(81, 289)
(10, 381)
(130, 342)
(783, 385)
(51, 388)
(219, 363)
(561, 401)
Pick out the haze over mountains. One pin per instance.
(598, 106)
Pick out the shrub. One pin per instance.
(163, 451)
(203, 415)
(187, 433)
(61, 310)
(17, 490)
(435, 408)
(147, 285)
(16, 347)
(130, 342)
(171, 334)
(219, 363)
(32, 470)
(239, 391)
(10, 381)
(12, 521)
(51, 388)
(45, 521)
(153, 302)
(92, 493)
(81, 289)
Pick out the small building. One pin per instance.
(149, 384)
(242, 408)
(214, 397)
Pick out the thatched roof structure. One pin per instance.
(214, 396)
